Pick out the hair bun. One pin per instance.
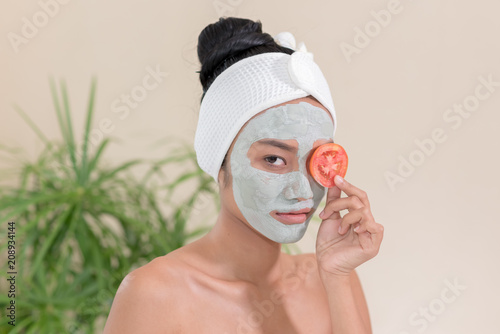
(223, 43)
(226, 34)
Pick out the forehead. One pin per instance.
(291, 121)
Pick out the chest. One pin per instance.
(271, 311)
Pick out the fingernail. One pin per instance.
(339, 179)
(340, 229)
(321, 214)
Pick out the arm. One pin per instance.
(343, 244)
(348, 308)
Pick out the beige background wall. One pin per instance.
(397, 88)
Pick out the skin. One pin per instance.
(235, 280)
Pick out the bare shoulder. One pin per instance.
(147, 299)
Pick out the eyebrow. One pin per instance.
(278, 144)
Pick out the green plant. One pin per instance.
(81, 225)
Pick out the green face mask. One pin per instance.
(259, 193)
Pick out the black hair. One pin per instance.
(223, 43)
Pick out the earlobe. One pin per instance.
(224, 177)
(220, 177)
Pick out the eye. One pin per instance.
(275, 161)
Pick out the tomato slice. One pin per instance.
(327, 161)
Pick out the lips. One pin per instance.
(292, 217)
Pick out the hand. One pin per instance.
(344, 243)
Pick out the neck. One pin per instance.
(243, 253)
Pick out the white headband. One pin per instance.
(250, 86)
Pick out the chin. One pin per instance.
(292, 234)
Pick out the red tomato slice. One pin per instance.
(327, 161)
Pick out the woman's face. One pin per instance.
(270, 184)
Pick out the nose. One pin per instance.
(298, 187)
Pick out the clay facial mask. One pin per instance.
(263, 197)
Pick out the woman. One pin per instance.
(265, 108)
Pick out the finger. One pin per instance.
(339, 204)
(365, 222)
(351, 190)
(328, 231)
(333, 193)
(349, 219)
(331, 215)
(377, 234)
(370, 242)
(367, 242)
(369, 225)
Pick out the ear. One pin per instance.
(224, 176)
(220, 177)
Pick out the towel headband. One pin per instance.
(250, 86)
